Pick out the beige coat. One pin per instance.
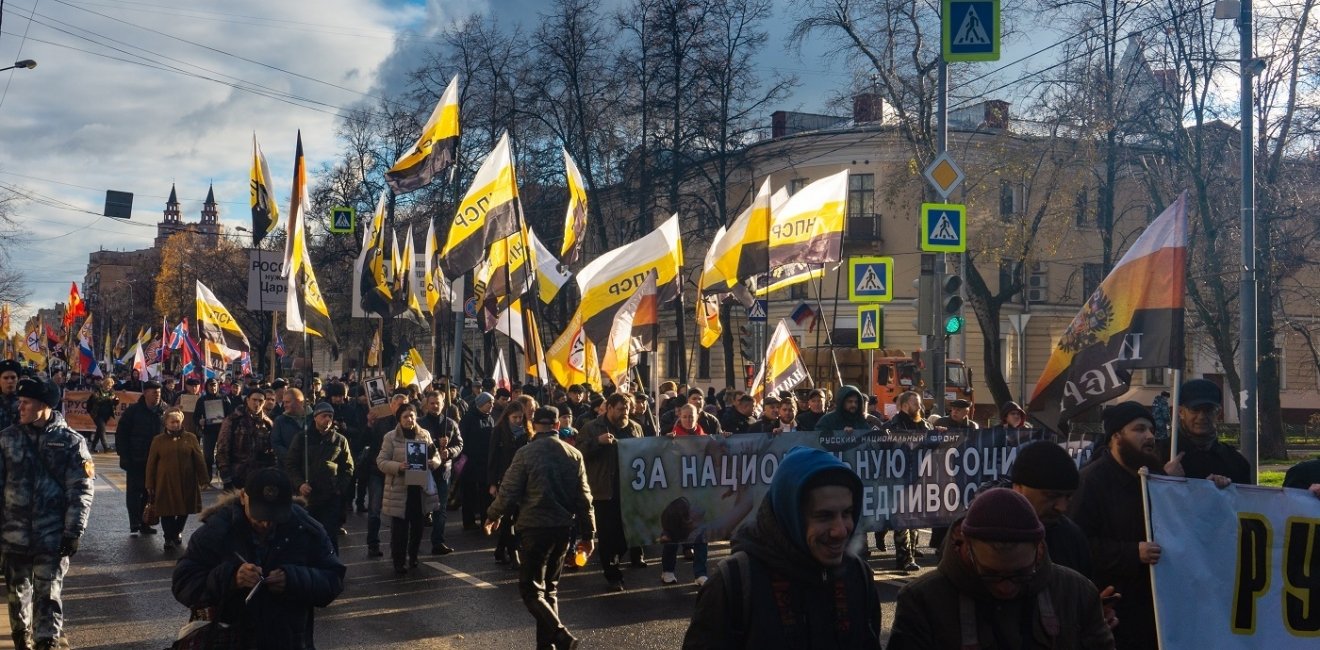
(176, 472)
(392, 456)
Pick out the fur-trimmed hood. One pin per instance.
(232, 499)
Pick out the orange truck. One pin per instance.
(896, 372)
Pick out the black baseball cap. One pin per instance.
(546, 415)
(1199, 392)
(270, 495)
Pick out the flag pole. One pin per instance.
(1173, 414)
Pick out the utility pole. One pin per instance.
(938, 341)
(1250, 418)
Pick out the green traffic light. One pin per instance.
(953, 325)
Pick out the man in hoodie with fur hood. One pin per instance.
(793, 580)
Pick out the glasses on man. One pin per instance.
(1020, 578)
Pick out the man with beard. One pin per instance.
(997, 587)
(1107, 507)
(598, 443)
(320, 467)
(1200, 453)
(245, 444)
(848, 415)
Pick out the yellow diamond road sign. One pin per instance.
(944, 175)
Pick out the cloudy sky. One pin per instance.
(134, 95)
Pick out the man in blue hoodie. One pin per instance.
(793, 580)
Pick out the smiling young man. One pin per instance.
(996, 587)
(792, 581)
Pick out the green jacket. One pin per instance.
(547, 483)
(328, 464)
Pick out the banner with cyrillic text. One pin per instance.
(1239, 567)
(702, 487)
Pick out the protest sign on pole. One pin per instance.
(1251, 556)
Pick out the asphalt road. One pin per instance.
(118, 593)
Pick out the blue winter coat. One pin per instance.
(204, 576)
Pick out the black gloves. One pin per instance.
(68, 546)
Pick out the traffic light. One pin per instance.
(748, 343)
(953, 321)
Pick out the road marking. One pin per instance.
(465, 577)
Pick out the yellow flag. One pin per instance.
(808, 227)
(413, 371)
(220, 331)
(708, 320)
(303, 287)
(373, 352)
(611, 278)
(572, 359)
(783, 368)
(575, 222)
(435, 149)
(265, 214)
(4, 320)
(487, 214)
(375, 289)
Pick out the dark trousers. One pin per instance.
(135, 496)
(375, 493)
(476, 497)
(99, 437)
(209, 441)
(441, 516)
(507, 538)
(611, 544)
(407, 530)
(173, 526)
(543, 551)
(330, 514)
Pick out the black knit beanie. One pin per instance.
(1002, 515)
(1119, 415)
(1045, 465)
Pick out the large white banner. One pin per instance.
(1240, 567)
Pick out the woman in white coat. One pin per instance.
(406, 505)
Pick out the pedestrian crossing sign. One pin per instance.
(970, 30)
(943, 228)
(341, 219)
(870, 279)
(870, 327)
(757, 312)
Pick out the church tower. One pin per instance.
(172, 221)
(209, 228)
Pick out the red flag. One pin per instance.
(77, 308)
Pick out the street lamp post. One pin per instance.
(25, 64)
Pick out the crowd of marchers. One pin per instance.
(1052, 557)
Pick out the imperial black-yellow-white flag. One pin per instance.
(575, 222)
(1133, 320)
(504, 276)
(783, 368)
(487, 214)
(572, 358)
(808, 227)
(738, 252)
(610, 279)
(436, 288)
(265, 213)
(617, 355)
(409, 292)
(377, 294)
(304, 290)
(435, 149)
(220, 332)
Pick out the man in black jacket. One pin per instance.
(320, 466)
(1200, 453)
(139, 424)
(260, 545)
(449, 443)
(741, 417)
(476, 428)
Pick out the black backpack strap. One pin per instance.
(736, 576)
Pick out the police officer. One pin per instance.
(46, 477)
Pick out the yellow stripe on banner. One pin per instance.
(479, 204)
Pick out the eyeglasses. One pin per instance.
(1019, 578)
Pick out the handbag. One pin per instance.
(149, 515)
(205, 633)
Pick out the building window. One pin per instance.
(703, 363)
(1082, 208)
(671, 358)
(796, 184)
(863, 222)
(1155, 377)
(798, 291)
(861, 194)
(1007, 200)
(1092, 275)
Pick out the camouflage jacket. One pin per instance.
(244, 447)
(47, 486)
(8, 411)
